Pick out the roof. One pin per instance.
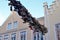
(41, 18)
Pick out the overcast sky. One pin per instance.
(35, 7)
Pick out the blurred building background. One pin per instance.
(52, 20)
(14, 29)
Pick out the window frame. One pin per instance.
(1, 37)
(23, 32)
(9, 26)
(13, 35)
(57, 29)
(15, 24)
(6, 37)
(37, 34)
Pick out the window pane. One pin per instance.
(9, 26)
(37, 36)
(41, 37)
(0, 37)
(58, 31)
(15, 24)
(6, 37)
(23, 35)
(34, 37)
(13, 36)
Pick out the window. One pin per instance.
(9, 26)
(0, 37)
(6, 37)
(15, 24)
(13, 36)
(58, 31)
(23, 35)
(37, 36)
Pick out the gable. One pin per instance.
(11, 19)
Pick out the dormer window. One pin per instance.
(15, 24)
(9, 26)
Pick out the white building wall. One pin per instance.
(52, 17)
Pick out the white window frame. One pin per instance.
(25, 35)
(6, 37)
(9, 26)
(36, 34)
(15, 24)
(12, 35)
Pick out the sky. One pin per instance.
(35, 7)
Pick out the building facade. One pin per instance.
(52, 20)
(14, 29)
